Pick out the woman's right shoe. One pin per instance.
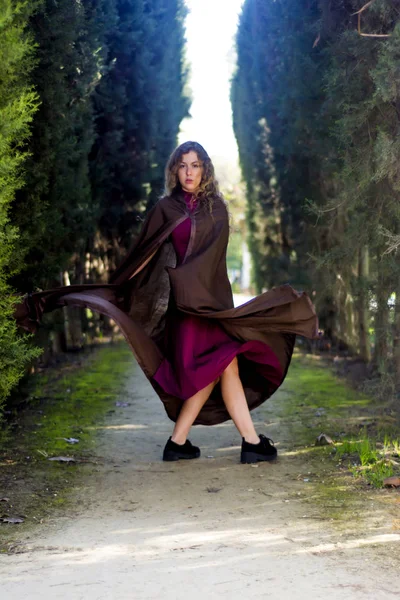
(173, 451)
(252, 453)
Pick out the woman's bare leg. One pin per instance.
(190, 409)
(236, 403)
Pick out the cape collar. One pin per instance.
(180, 198)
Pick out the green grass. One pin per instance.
(370, 459)
(65, 402)
(316, 386)
(322, 402)
(69, 404)
(365, 450)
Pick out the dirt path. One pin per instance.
(143, 529)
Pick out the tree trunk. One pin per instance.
(72, 323)
(57, 333)
(345, 316)
(362, 305)
(341, 315)
(396, 335)
(382, 321)
(350, 324)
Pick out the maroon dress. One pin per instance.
(200, 349)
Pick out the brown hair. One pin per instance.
(208, 188)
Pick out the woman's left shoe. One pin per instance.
(173, 451)
(252, 453)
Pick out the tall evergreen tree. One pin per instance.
(139, 106)
(327, 98)
(365, 136)
(274, 98)
(18, 103)
(55, 210)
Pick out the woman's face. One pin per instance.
(190, 172)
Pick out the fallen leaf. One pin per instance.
(392, 481)
(213, 490)
(396, 524)
(66, 459)
(324, 440)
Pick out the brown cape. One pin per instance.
(148, 287)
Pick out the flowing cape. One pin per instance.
(148, 287)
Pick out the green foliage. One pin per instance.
(274, 94)
(18, 103)
(234, 251)
(55, 211)
(91, 99)
(110, 78)
(139, 104)
(316, 118)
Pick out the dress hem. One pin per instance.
(256, 351)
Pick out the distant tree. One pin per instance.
(274, 98)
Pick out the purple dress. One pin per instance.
(201, 349)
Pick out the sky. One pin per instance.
(210, 31)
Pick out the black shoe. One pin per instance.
(264, 450)
(173, 451)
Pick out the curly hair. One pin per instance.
(208, 188)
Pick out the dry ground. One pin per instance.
(138, 528)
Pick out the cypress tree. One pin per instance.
(139, 106)
(55, 211)
(274, 99)
(327, 98)
(366, 133)
(18, 104)
(109, 75)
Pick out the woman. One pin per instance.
(172, 299)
